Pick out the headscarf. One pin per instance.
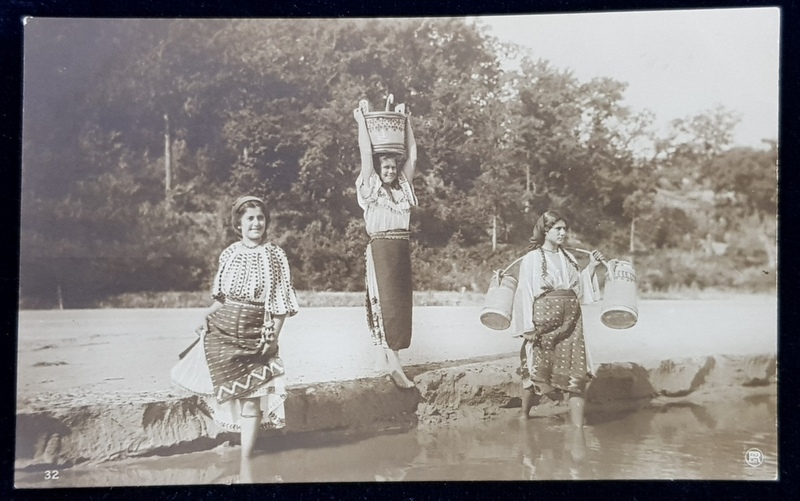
(543, 225)
(238, 205)
(539, 231)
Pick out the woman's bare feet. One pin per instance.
(396, 370)
(529, 399)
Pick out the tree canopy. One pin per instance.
(139, 133)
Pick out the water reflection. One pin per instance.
(670, 442)
(554, 453)
(689, 441)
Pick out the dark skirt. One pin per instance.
(556, 357)
(389, 289)
(233, 352)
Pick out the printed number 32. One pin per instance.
(51, 475)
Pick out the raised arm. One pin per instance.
(411, 147)
(590, 290)
(365, 147)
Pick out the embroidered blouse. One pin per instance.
(384, 213)
(257, 275)
(561, 274)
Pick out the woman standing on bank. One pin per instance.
(236, 366)
(386, 195)
(547, 313)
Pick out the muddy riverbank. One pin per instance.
(142, 425)
(704, 435)
(93, 384)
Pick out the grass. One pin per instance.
(307, 299)
(313, 299)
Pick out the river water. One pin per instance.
(680, 441)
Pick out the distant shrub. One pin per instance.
(671, 270)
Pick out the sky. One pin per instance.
(676, 63)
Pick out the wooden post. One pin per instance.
(494, 232)
(167, 167)
(633, 231)
(527, 204)
(60, 298)
(527, 182)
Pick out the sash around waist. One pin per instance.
(244, 302)
(559, 293)
(238, 319)
(390, 235)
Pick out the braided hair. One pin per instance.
(543, 225)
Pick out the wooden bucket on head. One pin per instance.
(620, 309)
(387, 129)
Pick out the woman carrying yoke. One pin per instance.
(547, 314)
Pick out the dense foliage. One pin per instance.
(264, 107)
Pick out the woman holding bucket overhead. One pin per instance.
(386, 195)
(236, 365)
(547, 313)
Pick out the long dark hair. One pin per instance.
(544, 224)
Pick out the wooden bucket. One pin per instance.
(499, 302)
(620, 310)
(387, 129)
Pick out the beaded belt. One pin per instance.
(244, 302)
(390, 235)
(559, 293)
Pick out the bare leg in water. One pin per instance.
(577, 444)
(529, 399)
(246, 470)
(577, 407)
(251, 420)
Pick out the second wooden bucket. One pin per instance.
(620, 310)
(499, 302)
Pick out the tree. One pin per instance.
(746, 186)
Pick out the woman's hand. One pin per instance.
(268, 336)
(202, 329)
(532, 336)
(596, 258)
(358, 115)
(268, 342)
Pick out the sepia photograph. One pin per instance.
(399, 249)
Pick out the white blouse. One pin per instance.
(384, 213)
(561, 274)
(261, 275)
